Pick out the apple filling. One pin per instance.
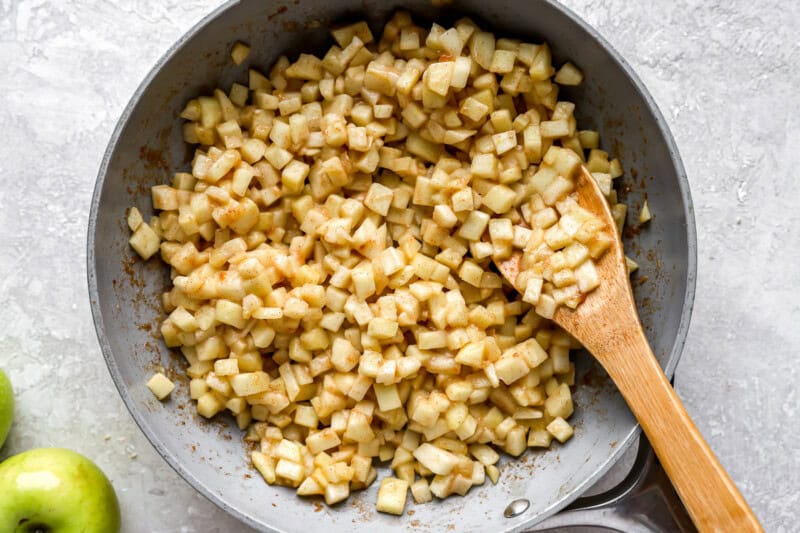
(332, 248)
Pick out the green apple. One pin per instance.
(53, 490)
(6, 406)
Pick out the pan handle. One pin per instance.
(644, 502)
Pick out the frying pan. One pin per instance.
(147, 147)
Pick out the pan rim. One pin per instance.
(218, 500)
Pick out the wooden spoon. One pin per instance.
(607, 324)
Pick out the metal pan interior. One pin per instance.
(147, 147)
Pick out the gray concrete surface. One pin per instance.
(723, 72)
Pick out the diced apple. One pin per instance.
(392, 496)
(160, 385)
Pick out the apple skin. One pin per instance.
(6, 406)
(56, 491)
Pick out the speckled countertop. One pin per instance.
(723, 72)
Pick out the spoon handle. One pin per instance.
(712, 499)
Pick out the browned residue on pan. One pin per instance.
(364, 510)
(278, 12)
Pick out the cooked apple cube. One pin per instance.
(604, 182)
(387, 397)
(644, 214)
(230, 133)
(462, 201)
(444, 216)
(160, 385)
(197, 387)
(145, 241)
(473, 227)
(293, 176)
(242, 177)
(471, 355)
(134, 219)
(510, 369)
(435, 459)
(568, 74)
(471, 273)
(500, 199)
(431, 340)
(553, 129)
(307, 67)
(438, 77)
(539, 438)
(336, 492)
(483, 453)
(516, 441)
(382, 328)
(504, 141)
(421, 491)
(484, 166)
(493, 472)
(392, 496)
(631, 265)
(290, 470)
(310, 487)
(461, 71)
(322, 440)
(345, 34)
(219, 168)
(533, 290)
(226, 367)
(529, 350)
(265, 466)
(379, 199)
(358, 428)
(164, 197)
(559, 403)
(587, 277)
(473, 109)
(228, 312)
(249, 383)
(209, 405)
(239, 52)
(560, 429)
(502, 61)
(184, 320)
